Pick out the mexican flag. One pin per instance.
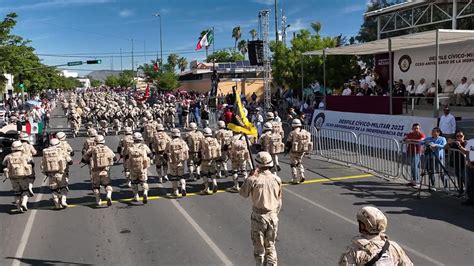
(206, 40)
(34, 128)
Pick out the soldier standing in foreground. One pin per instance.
(176, 153)
(297, 144)
(138, 160)
(210, 151)
(159, 142)
(265, 190)
(372, 247)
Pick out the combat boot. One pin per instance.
(109, 198)
(136, 197)
(63, 201)
(24, 202)
(145, 197)
(30, 190)
(57, 206)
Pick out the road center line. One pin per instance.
(351, 221)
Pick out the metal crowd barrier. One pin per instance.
(379, 154)
(338, 145)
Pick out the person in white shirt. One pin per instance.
(460, 90)
(411, 88)
(431, 93)
(447, 93)
(420, 90)
(469, 94)
(447, 124)
(347, 91)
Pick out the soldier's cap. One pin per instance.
(61, 135)
(54, 142)
(267, 126)
(374, 220)
(175, 132)
(16, 145)
(99, 139)
(207, 132)
(264, 159)
(24, 136)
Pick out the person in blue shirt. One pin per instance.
(434, 146)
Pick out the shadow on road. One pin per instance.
(45, 262)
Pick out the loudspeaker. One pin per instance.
(255, 50)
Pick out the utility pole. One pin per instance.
(133, 60)
(144, 51)
(264, 16)
(276, 21)
(161, 42)
(121, 60)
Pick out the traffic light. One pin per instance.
(94, 62)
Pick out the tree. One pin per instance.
(112, 81)
(316, 26)
(253, 34)
(172, 60)
(125, 79)
(242, 46)
(182, 64)
(225, 56)
(95, 83)
(164, 80)
(236, 34)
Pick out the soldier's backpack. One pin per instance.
(194, 140)
(18, 166)
(52, 161)
(278, 128)
(160, 140)
(211, 150)
(276, 144)
(239, 150)
(302, 142)
(136, 160)
(101, 157)
(224, 136)
(178, 151)
(148, 130)
(127, 143)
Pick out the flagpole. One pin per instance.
(213, 39)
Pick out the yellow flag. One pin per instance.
(239, 122)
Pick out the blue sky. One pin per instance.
(106, 26)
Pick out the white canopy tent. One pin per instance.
(427, 39)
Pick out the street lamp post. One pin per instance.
(161, 41)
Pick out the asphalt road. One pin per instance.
(317, 222)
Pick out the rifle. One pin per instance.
(249, 151)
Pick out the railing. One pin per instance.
(337, 145)
(379, 154)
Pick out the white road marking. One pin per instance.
(26, 233)
(351, 221)
(199, 230)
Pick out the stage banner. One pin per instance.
(455, 61)
(387, 126)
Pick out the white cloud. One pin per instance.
(125, 13)
(57, 4)
(297, 25)
(353, 8)
(165, 11)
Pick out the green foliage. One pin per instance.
(125, 79)
(242, 47)
(236, 34)
(182, 64)
(286, 63)
(173, 60)
(164, 80)
(112, 81)
(225, 56)
(253, 34)
(95, 83)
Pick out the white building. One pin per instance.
(8, 86)
(68, 74)
(86, 83)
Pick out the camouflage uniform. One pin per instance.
(239, 156)
(209, 147)
(159, 142)
(193, 139)
(265, 190)
(224, 137)
(176, 165)
(139, 176)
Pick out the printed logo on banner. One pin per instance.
(319, 121)
(404, 63)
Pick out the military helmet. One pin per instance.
(270, 116)
(267, 127)
(144, 119)
(296, 123)
(61, 135)
(137, 136)
(24, 136)
(221, 124)
(99, 139)
(17, 145)
(54, 142)
(374, 220)
(91, 132)
(160, 127)
(207, 132)
(264, 159)
(128, 131)
(175, 132)
(192, 126)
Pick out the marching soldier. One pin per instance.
(265, 190)
(138, 160)
(298, 143)
(177, 152)
(373, 247)
(19, 168)
(29, 151)
(64, 145)
(210, 151)
(276, 125)
(124, 144)
(240, 157)
(159, 142)
(90, 141)
(224, 137)
(75, 120)
(272, 143)
(100, 158)
(193, 140)
(53, 165)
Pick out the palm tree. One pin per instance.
(173, 60)
(182, 64)
(316, 26)
(242, 46)
(253, 33)
(236, 34)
